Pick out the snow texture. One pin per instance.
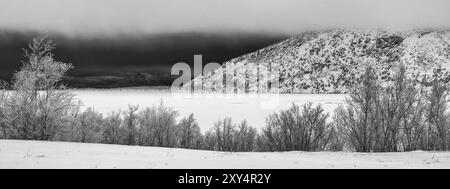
(46, 154)
(331, 61)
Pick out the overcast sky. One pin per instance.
(280, 16)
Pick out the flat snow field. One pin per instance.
(45, 154)
(207, 109)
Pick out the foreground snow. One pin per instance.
(43, 154)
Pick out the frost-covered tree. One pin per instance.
(38, 106)
(227, 136)
(189, 134)
(158, 126)
(131, 125)
(112, 131)
(403, 106)
(438, 129)
(3, 95)
(224, 131)
(88, 126)
(384, 119)
(210, 141)
(398, 114)
(245, 137)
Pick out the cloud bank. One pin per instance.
(100, 17)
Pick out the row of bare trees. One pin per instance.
(401, 117)
(152, 126)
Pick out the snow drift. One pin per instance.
(45, 154)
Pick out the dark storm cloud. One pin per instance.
(154, 16)
(97, 60)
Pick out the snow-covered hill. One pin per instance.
(44, 154)
(330, 61)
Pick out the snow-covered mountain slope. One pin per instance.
(45, 154)
(330, 61)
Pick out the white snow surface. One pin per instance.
(47, 154)
(207, 109)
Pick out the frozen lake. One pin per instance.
(207, 109)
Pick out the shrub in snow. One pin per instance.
(398, 114)
(399, 117)
(210, 141)
(437, 117)
(230, 137)
(245, 137)
(357, 118)
(112, 132)
(297, 128)
(88, 127)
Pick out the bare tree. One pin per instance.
(297, 128)
(167, 119)
(210, 141)
(438, 129)
(3, 95)
(386, 118)
(396, 113)
(131, 122)
(357, 117)
(158, 126)
(245, 137)
(400, 114)
(112, 131)
(225, 131)
(189, 132)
